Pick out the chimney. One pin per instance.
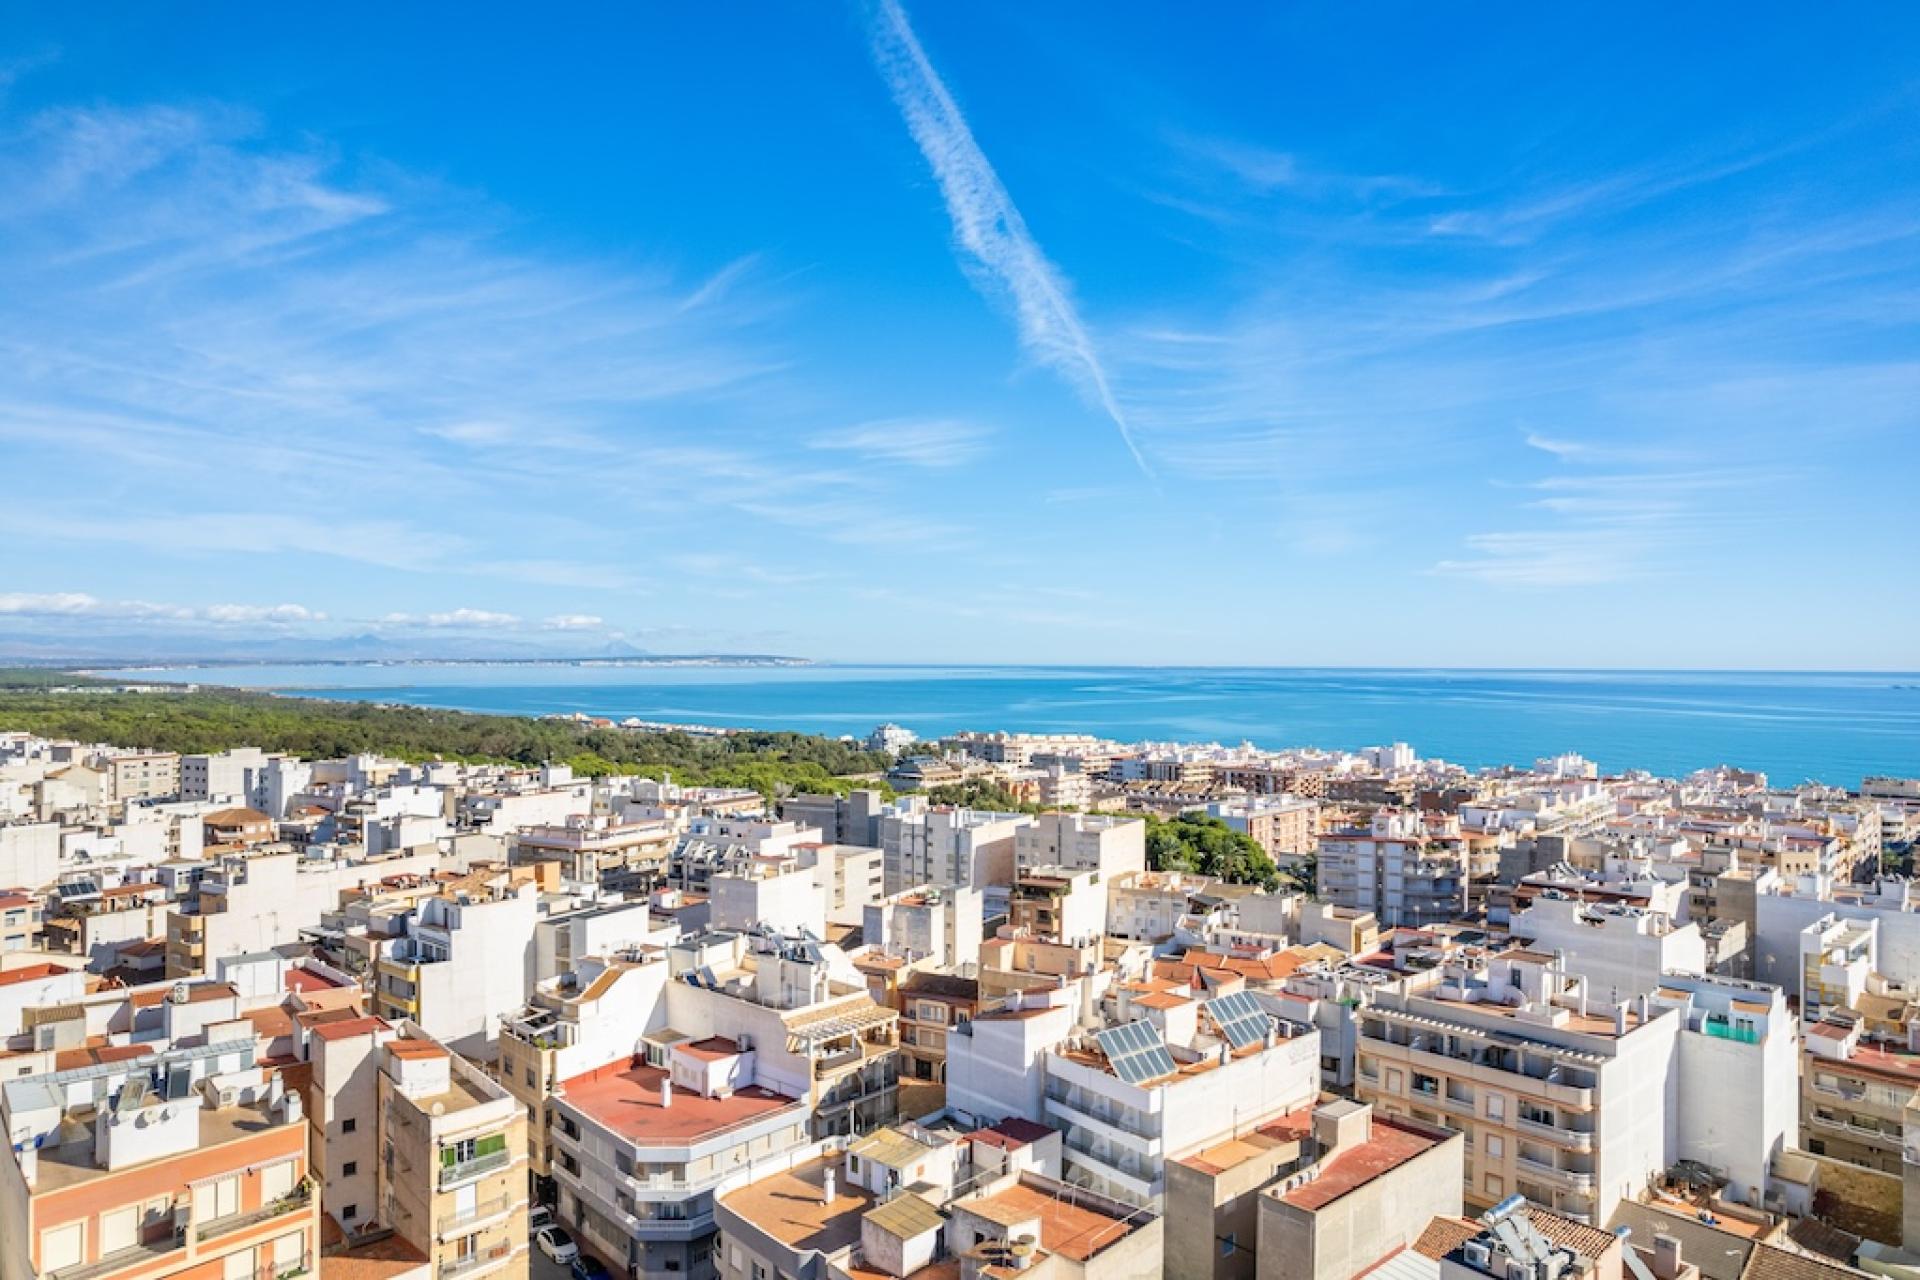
(1620, 1019)
(1666, 1257)
(826, 1187)
(666, 1092)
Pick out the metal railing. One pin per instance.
(479, 1260)
(461, 1170)
(133, 1256)
(299, 1198)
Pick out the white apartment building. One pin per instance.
(944, 927)
(949, 847)
(1127, 1098)
(228, 777)
(1621, 950)
(1575, 1101)
(1406, 870)
(466, 961)
(1107, 843)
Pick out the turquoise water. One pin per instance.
(1836, 727)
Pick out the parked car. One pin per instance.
(557, 1244)
(588, 1267)
(539, 1219)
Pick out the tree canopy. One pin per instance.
(1207, 846)
(220, 719)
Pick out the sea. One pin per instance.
(1833, 727)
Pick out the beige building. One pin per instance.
(453, 1168)
(1323, 1192)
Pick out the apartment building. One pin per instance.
(1325, 1191)
(188, 1162)
(1564, 1096)
(939, 927)
(1287, 827)
(21, 924)
(259, 901)
(1406, 869)
(1177, 1074)
(949, 847)
(453, 1161)
(224, 776)
(466, 960)
(931, 1004)
(599, 850)
(853, 818)
(1855, 1092)
(641, 1147)
(825, 1218)
(1107, 844)
(1058, 904)
(1839, 956)
(141, 775)
(1620, 949)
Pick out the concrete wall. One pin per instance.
(1351, 1234)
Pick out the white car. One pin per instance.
(557, 1244)
(539, 1219)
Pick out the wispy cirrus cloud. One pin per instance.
(917, 442)
(1000, 252)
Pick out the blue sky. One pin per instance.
(990, 332)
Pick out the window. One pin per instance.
(350, 1168)
(349, 1125)
(276, 1181)
(1227, 1245)
(351, 1211)
(1495, 1186)
(61, 1246)
(1496, 1147)
(1496, 1106)
(530, 1081)
(237, 1265)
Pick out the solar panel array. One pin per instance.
(1136, 1052)
(1240, 1019)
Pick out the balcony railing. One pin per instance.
(299, 1198)
(1555, 1133)
(480, 1260)
(139, 1255)
(489, 1208)
(1572, 1178)
(461, 1170)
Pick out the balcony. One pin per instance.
(459, 1171)
(140, 1255)
(1571, 1179)
(1572, 1139)
(463, 1221)
(480, 1260)
(299, 1198)
(1072, 1116)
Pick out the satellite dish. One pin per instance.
(439, 1108)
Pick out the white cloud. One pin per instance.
(482, 619)
(78, 604)
(278, 614)
(49, 604)
(1001, 252)
(573, 622)
(918, 443)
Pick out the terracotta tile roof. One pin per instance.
(31, 973)
(330, 1028)
(1010, 1134)
(1070, 1230)
(1770, 1263)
